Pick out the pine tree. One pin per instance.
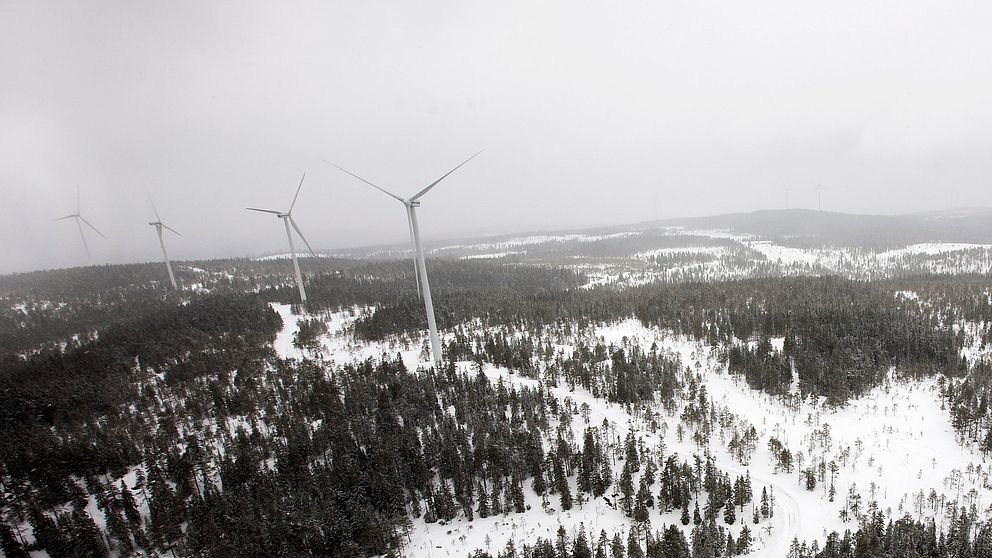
(580, 547)
(765, 509)
(627, 489)
(729, 514)
(117, 526)
(644, 501)
(483, 498)
(416, 510)
(86, 538)
(685, 514)
(674, 543)
(603, 545)
(561, 544)
(744, 540)
(630, 452)
(9, 544)
(565, 494)
(130, 506)
(634, 549)
(48, 534)
(561, 484)
(517, 494)
(605, 475)
(616, 547)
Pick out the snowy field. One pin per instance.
(895, 446)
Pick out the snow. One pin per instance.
(894, 445)
(788, 256)
(338, 346)
(681, 251)
(933, 248)
(493, 255)
(891, 437)
(288, 255)
(712, 233)
(541, 239)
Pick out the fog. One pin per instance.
(589, 113)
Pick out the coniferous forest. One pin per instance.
(136, 421)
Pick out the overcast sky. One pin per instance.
(590, 113)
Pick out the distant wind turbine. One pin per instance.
(159, 226)
(420, 269)
(287, 219)
(80, 220)
(819, 190)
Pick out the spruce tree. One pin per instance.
(627, 489)
(580, 547)
(616, 547)
(483, 498)
(9, 544)
(729, 515)
(634, 549)
(744, 540)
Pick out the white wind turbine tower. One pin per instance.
(420, 269)
(80, 220)
(287, 219)
(159, 226)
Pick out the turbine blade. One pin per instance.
(413, 242)
(64, 218)
(297, 193)
(83, 237)
(383, 190)
(90, 225)
(171, 229)
(157, 218)
(272, 211)
(303, 238)
(77, 199)
(432, 184)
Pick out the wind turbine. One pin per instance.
(420, 268)
(79, 224)
(159, 226)
(287, 219)
(819, 190)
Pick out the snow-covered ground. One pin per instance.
(493, 255)
(933, 248)
(681, 251)
(339, 345)
(287, 255)
(787, 256)
(895, 446)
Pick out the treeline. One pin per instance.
(876, 537)
(968, 400)
(842, 336)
